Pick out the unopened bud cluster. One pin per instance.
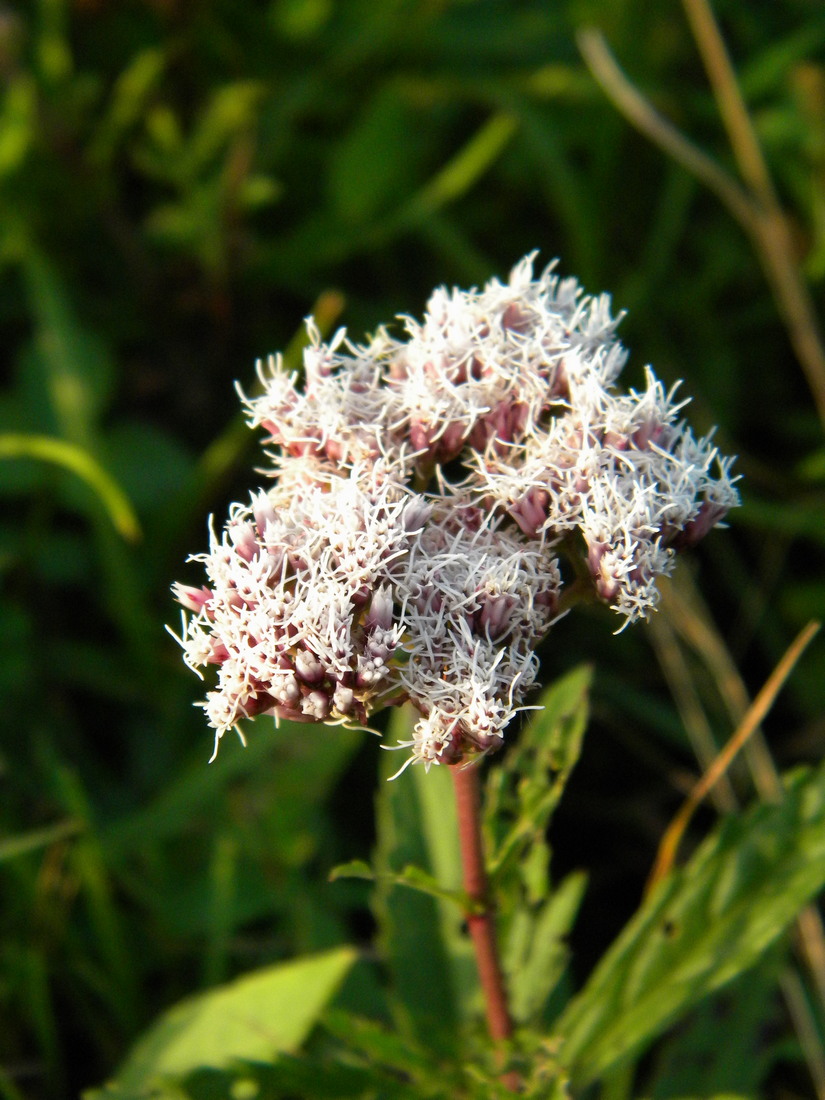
(423, 491)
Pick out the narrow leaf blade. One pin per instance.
(702, 927)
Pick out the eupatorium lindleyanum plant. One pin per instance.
(436, 502)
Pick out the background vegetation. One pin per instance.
(180, 184)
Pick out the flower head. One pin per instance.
(364, 577)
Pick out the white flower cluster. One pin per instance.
(423, 490)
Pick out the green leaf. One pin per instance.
(356, 868)
(149, 484)
(521, 797)
(128, 102)
(523, 793)
(411, 924)
(375, 163)
(13, 846)
(381, 1045)
(535, 954)
(302, 769)
(255, 1016)
(468, 165)
(413, 877)
(703, 926)
(18, 122)
(290, 1076)
(694, 1063)
(439, 825)
(232, 110)
(81, 463)
(73, 367)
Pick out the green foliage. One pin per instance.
(702, 927)
(419, 934)
(80, 462)
(179, 186)
(524, 792)
(521, 796)
(253, 1017)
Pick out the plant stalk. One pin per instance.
(480, 920)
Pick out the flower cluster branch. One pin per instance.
(422, 492)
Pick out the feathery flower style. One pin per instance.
(424, 491)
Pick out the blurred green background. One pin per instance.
(182, 182)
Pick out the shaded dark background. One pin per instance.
(180, 184)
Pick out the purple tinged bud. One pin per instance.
(379, 616)
(653, 431)
(470, 518)
(292, 714)
(516, 319)
(416, 514)
(308, 667)
(316, 706)
(438, 446)
(343, 699)
(244, 540)
(707, 517)
(494, 617)
(286, 689)
(334, 450)
(548, 598)
(505, 422)
(361, 598)
(420, 437)
(530, 513)
(380, 647)
(451, 441)
(487, 742)
(451, 752)
(263, 512)
(194, 599)
(371, 670)
(607, 585)
(581, 483)
(558, 383)
(614, 441)
(595, 553)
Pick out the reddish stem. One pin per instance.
(480, 922)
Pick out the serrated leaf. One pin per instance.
(255, 1016)
(704, 925)
(411, 876)
(536, 953)
(523, 792)
(380, 1045)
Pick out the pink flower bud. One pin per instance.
(195, 599)
(308, 667)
